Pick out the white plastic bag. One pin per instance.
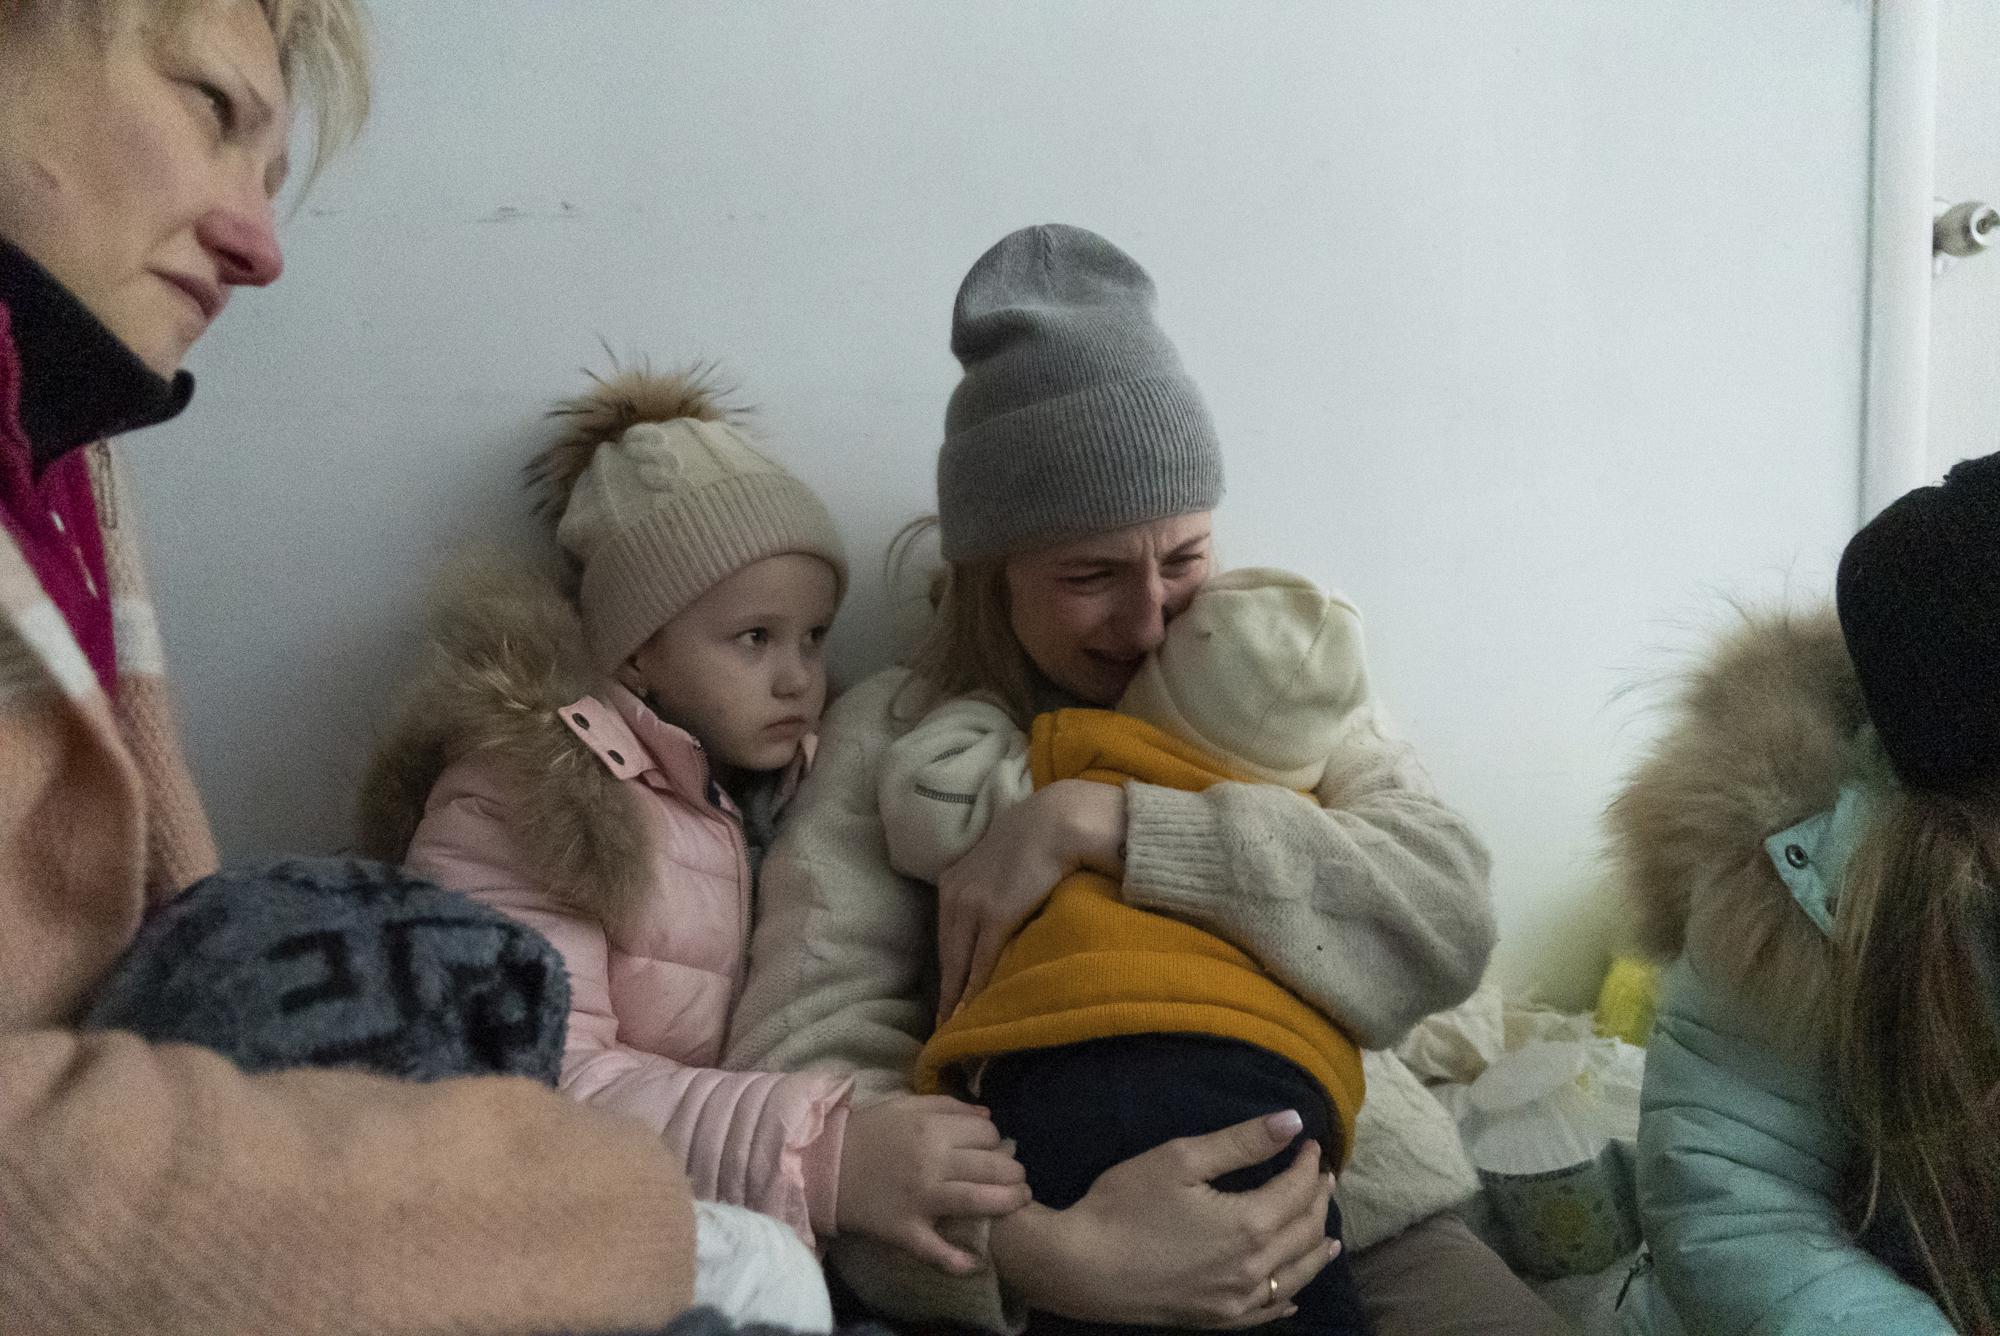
(752, 1269)
(1550, 1128)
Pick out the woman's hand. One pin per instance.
(986, 896)
(911, 1160)
(1153, 1244)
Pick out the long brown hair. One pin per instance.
(1918, 1039)
(968, 644)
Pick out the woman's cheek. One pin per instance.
(1078, 613)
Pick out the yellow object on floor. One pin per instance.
(1625, 1002)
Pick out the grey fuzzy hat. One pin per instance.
(1074, 414)
(332, 962)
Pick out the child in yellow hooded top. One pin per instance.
(1104, 1029)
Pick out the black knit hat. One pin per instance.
(1919, 600)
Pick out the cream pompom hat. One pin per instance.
(657, 494)
(1263, 669)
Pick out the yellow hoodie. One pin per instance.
(1089, 966)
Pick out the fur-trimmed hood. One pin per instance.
(506, 652)
(1764, 732)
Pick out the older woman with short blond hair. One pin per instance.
(157, 1188)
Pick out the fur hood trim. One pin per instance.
(505, 654)
(1764, 733)
(616, 403)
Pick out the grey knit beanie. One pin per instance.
(1074, 414)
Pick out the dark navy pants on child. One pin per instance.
(1077, 1110)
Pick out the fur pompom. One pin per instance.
(619, 400)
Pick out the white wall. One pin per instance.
(1535, 325)
(1965, 301)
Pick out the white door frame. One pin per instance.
(1902, 166)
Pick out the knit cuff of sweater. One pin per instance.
(1174, 853)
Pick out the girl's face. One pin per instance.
(137, 164)
(743, 667)
(1089, 610)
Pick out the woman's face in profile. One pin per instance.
(138, 158)
(1089, 610)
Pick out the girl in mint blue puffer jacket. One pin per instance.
(1818, 841)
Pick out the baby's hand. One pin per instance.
(913, 1160)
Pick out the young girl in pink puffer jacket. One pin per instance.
(603, 754)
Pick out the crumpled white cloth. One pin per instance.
(751, 1268)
